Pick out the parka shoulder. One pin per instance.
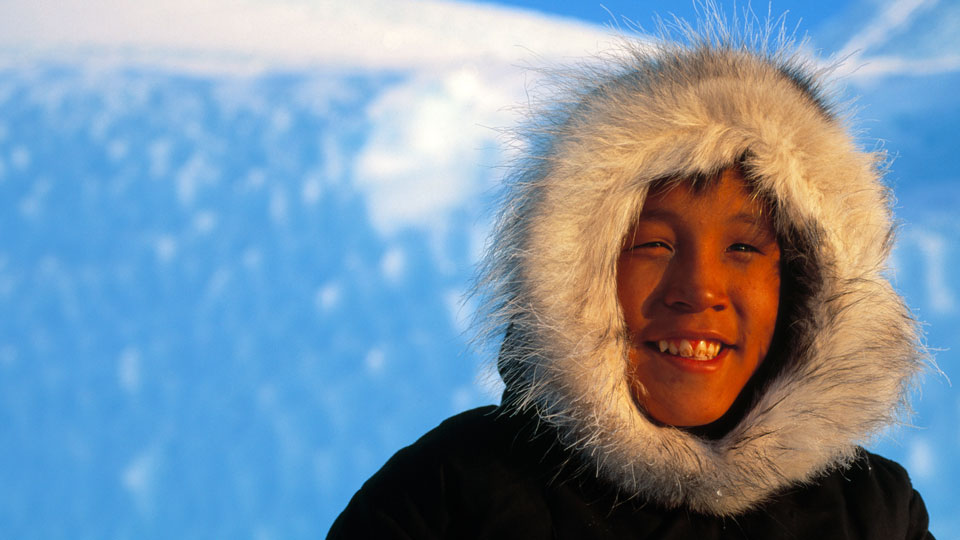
(462, 479)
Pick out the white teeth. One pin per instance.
(698, 350)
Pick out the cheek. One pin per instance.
(634, 288)
(764, 305)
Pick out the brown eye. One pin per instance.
(743, 248)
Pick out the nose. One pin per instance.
(694, 282)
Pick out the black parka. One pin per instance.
(481, 474)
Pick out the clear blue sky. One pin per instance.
(822, 19)
(812, 12)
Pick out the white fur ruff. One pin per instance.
(675, 111)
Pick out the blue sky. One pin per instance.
(812, 13)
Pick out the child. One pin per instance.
(688, 275)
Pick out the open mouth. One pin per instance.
(694, 349)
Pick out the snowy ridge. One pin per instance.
(249, 35)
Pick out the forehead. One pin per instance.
(727, 197)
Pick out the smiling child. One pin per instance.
(687, 282)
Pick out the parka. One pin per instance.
(568, 453)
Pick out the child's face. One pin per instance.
(699, 276)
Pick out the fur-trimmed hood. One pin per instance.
(549, 279)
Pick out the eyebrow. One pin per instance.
(750, 219)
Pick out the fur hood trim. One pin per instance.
(549, 283)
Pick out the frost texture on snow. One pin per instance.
(206, 333)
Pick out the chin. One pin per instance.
(685, 419)
(679, 415)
